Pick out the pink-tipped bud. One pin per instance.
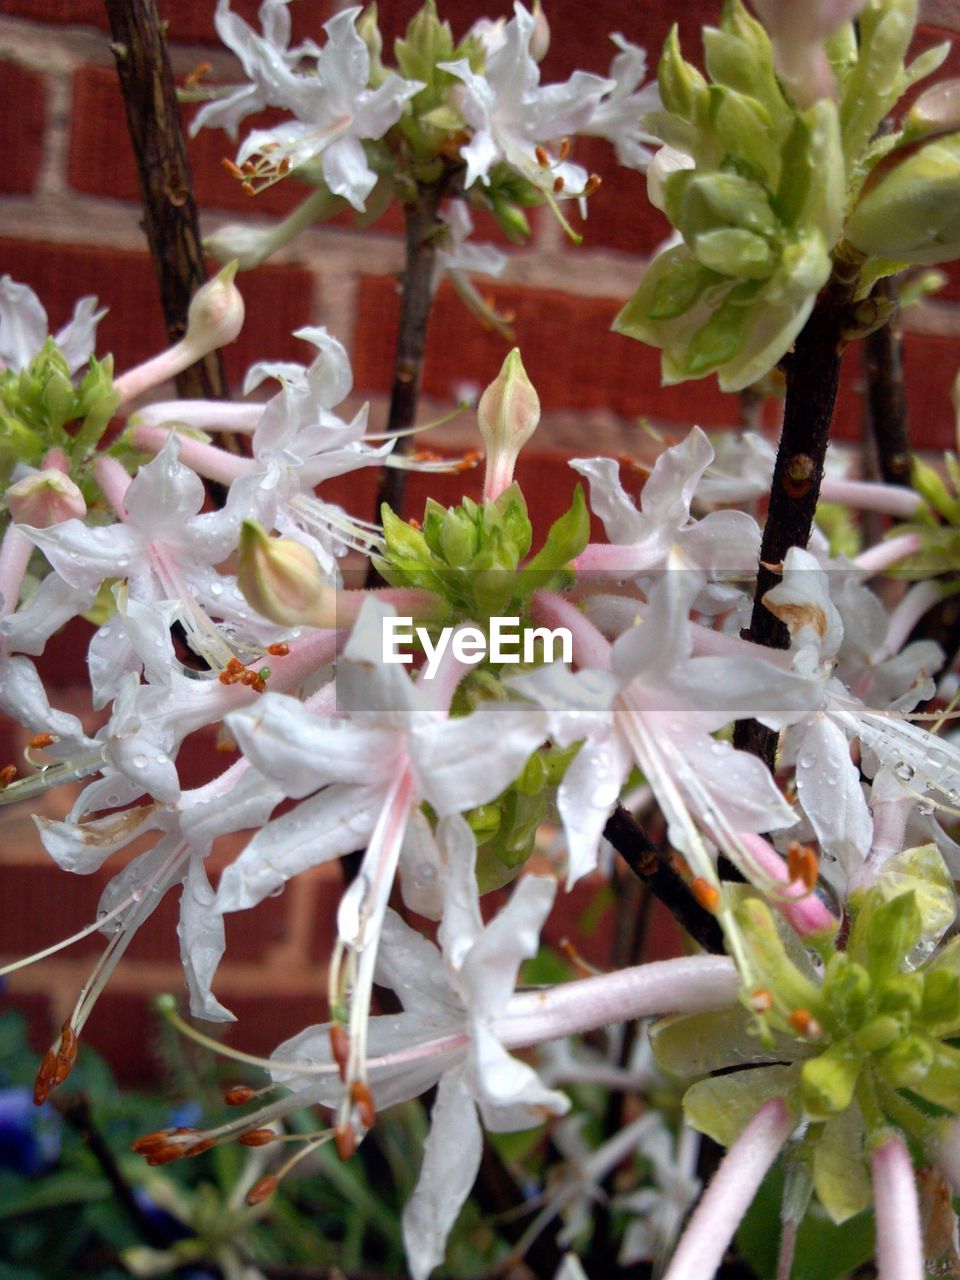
(45, 498)
(802, 909)
(215, 317)
(540, 40)
(507, 415)
(937, 110)
(281, 579)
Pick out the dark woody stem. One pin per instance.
(886, 398)
(813, 375)
(423, 228)
(655, 869)
(166, 185)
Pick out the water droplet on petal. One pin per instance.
(139, 762)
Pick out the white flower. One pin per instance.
(619, 115)
(641, 541)
(511, 114)
(335, 111)
(24, 330)
(266, 59)
(640, 702)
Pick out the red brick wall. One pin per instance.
(69, 225)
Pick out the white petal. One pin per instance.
(23, 324)
(829, 790)
(451, 1158)
(446, 754)
(488, 973)
(587, 796)
(202, 943)
(510, 1094)
(338, 820)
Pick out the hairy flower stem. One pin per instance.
(886, 397)
(653, 867)
(813, 375)
(166, 185)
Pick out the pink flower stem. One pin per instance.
(206, 459)
(590, 646)
(726, 1200)
(888, 553)
(208, 415)
(114, 482)
(899, 1239)
(889, 499)
(15, 552)
(157, 369)
(690, 984)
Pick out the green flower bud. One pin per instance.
(683, 89)
(458, 539)
(281, 580)
(827, 1082)
(58, 400)
(884, 933)
(940, 1009)
(734, 252)
(910, 206)
(879, 1033)
(907, 1063)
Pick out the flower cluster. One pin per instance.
(829, 880)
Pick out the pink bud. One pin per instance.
(507, 415)
(45, 498)
(799, 903)
(215, 316)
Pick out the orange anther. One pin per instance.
(414, 523)
(45, 1081)
(238, 1095)
(542, 157)
(362, 1098)
(594, 182)
(7, 775)
(231, 168)
(762, 1000)
(263, 1189)
(558, 184)
(805, 1024)
(235, 666)
(340, 1047)
(278, 650)
(802, 864)
(41, 740)
(564, 148)
(705, 893)
(345, 1140)
(257, 1137)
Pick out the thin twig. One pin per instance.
(886, 396)
(654, 868)
(813, 375)
(169, 209)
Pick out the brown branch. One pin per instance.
(886, 396)
(166, 185)
(813, 375)
(654, 868)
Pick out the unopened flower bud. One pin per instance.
(909, 207)
(215, 317)
(936, 110)
(944, 1150)
(45, 498)
(281, 579)
(540, 40)
(507, 415)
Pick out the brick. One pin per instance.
(188, 21)
(36, 1008)
(574, 360)
(21, 131)
(101, 159)
(278, 297)
(930, 366)
(619, 215)
(44, 905)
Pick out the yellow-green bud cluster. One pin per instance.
(470, 555)
(39, 402)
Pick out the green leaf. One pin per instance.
(678, 290)
(923, 872)
(694, 1044)
(722, 1106)
(568, 536)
